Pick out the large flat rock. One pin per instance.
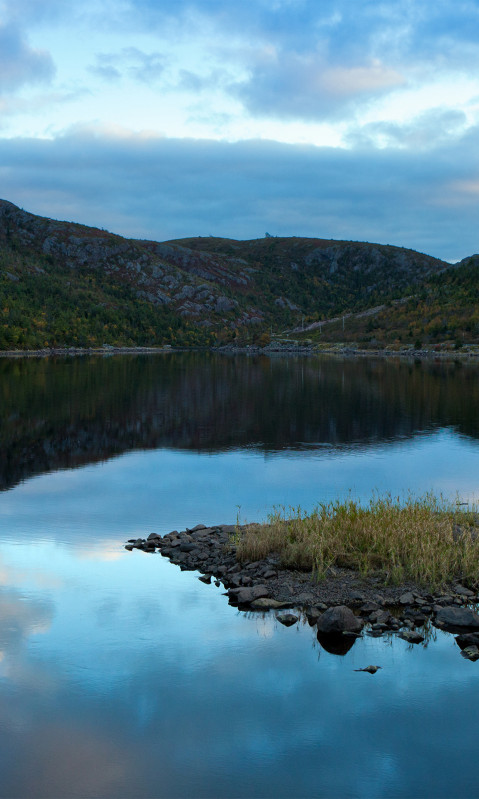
(455, 617)
(245, 596)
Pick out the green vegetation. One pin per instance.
(428, 539)
(443, 314)
(67, 285)
(43, 305)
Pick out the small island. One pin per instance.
(388, 567)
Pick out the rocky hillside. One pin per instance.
(66, 284)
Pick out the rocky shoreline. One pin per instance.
(270, 350)
(341, 607)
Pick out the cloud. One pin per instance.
(308, 87)
(159, 188)
(21, 64)
(130, 62)
(425, 131)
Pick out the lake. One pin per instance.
(123, 677)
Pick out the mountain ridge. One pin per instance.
(63, 283)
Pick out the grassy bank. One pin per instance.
(428, 539)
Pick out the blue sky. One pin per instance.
(330, 118)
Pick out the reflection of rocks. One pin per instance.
(467, 639)
(411, 636)
(470, 653)
(341, 606)
(288, 619)
(336, 643)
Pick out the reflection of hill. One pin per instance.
(57, 414)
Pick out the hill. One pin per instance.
(65, 284)
(441, 313)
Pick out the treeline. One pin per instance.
(43, 305)
(443, 311)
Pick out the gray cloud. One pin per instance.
(308, 87)
(167, 188)
(130, 62)
(433, 128)
(19, 63)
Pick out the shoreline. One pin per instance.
(342, 607)
(271, 350)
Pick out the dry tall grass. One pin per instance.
(428, 539)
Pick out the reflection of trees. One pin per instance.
(62, 413)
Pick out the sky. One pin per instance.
(162, 119)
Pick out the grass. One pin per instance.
(427, 540)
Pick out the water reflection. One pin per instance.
(124, 677)
(153, 686)
(67, 412)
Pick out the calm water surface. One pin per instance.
(121, 676)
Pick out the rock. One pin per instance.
(339, 619)
(153, 537)
(269, 574)
(370, 669)
(244, 596)
(129, 547)
(313, 615)
(411, 636)
(357, 596)
(288, 619)
(306, 598)
(205, 578)
(234, 581)
(197, 528)
(453, 616)
(369, 607)
(380, 617)
(269, 604)
(463, 591)
(407, 598)
(470, 652)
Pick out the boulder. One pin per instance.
(339, 619)
(245, 596)
(463, 591)
(187, 546)
(453, 617)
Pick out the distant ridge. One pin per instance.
(65, 284)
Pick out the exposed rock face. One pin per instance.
(339, 619)
(237, 283)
